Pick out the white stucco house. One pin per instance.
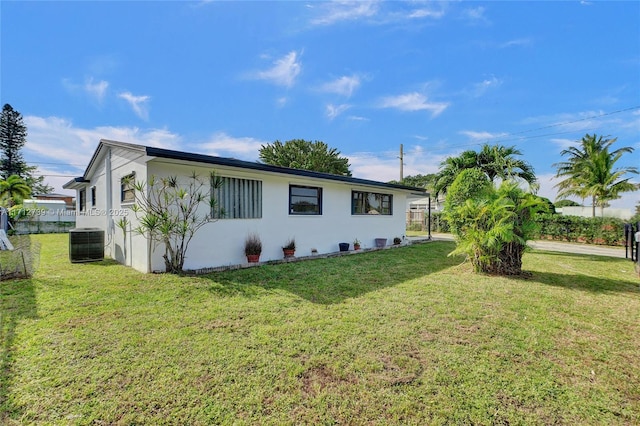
(319, 210)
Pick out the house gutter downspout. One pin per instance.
(109, 200)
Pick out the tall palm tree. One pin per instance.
(13, 190)
(589, 171)
(496, 161)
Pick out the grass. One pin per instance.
(402, 336)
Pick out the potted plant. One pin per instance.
(356, 244)
(252, 248)
(289, 249)
(397, 241)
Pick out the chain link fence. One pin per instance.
(22, 261)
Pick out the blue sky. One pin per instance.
(223, 78)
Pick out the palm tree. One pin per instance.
(14, 190)
(496, 161)
(589, 171)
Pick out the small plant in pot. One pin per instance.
(289, 249)
(397, 241)
(252, 248)
(356, 244)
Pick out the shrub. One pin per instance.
(491, 225)
(592, 230)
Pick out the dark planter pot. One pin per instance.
(288, 253)
(381, 242)
(343, 246)
(253, 258)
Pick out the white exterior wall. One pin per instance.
(108, 209)
(48, 211)
(587, 211)
(221, 242)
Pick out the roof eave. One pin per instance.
(232, 162)
(76, 183)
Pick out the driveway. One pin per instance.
(573, 248)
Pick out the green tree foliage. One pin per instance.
(13, 190)
(566, 203)
(636, 216)
(13, 136)
(491, 225)
(168, 213)
(496, 161)
(306, 155)
(590, 171)
(419, 181)
(549, 207)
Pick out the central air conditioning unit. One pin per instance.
(86, 245)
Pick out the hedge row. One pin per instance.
(598, 230)
(608, 231)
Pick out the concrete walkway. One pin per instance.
(574, 248)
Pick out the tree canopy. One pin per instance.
(495, 161)
(491, 224)
(13, 190)
(13, 136)
(307, 155)
(419, 181)
(590, 171)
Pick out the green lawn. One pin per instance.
(400, 336)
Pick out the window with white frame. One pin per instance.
(236, 198)
(305, 200)
(369, 203)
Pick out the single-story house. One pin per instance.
(319, 210)
(69, 200)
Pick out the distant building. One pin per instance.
(587, 211)
(69, 200)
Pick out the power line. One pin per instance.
(499, 139)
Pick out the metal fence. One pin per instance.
(22, 261)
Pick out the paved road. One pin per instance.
(559, 246)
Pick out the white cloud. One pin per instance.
(386, 166)
(484, 86)
(283, 72)
(563, 143)
(517, 42)
(475, 15)
(335, 110)
(56, 140)
(344, 85)
(96, 90)
(426, 13)
(413, 102)
(222, 144)
(480, 136)
(336, 11)
(137, 103)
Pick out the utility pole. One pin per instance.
(401, 164)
